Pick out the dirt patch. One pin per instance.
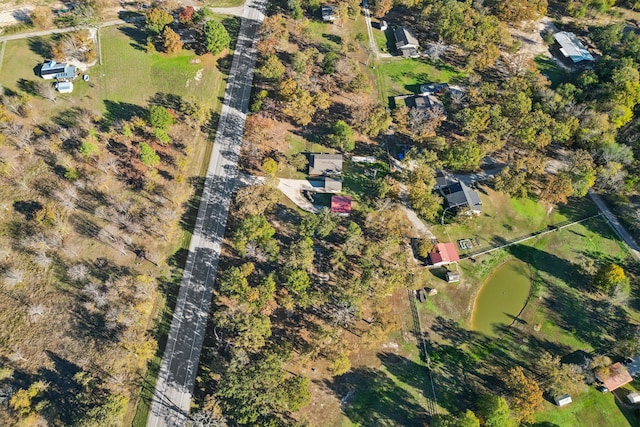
(530, 36)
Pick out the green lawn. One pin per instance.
(550, 68)
(224, 3)
(128, 74)
(505, 218)
(590, 409)
(399, 76)
(381, 40)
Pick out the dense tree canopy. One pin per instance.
(216, 37)
(156, 19)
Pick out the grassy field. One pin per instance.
(128, 75)
(562, 315)
(399, 76)
(591, 408)
(504, 218)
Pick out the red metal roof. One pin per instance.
(340, 204)
(444, 253)
(615, 376)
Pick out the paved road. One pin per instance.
(615, 224)
(179, 367)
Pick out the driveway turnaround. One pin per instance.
(172, 397)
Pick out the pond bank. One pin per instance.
(502, 298)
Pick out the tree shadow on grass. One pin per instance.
(630, 412)
(117, 110)
(40, 47)
(590, 320)
(28, 86)
(375, 399)
(552, 265)
(224, 64)
(188, 220)
(65, 390)
(138, 36)
(28, 208)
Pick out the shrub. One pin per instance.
(161, 135)
(148, 155)
(160, 117)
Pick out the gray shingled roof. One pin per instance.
(460, 194)
(325, 164)
(405, 38)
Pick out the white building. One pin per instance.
(64, 87)
(572, 48)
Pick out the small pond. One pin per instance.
(501, 298)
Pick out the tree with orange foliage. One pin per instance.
(186, 15)
(526, 394)
(262, 133)
(172, 42)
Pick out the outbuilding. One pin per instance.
(563, 400)
(64, 87)
(633, 397)
(444, 253)
(571, 48)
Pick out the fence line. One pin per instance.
(422, 345)
(549, 229)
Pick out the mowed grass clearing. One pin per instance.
(128, 74)
(401, 76)
(590, 409)
(504, 218)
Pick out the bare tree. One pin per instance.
(457, 96)
(17, 356)
(36, 311)
(42, 260)
(78, 272)
(437, 49)
(204, 418)
(94, 293)
(13, 276)
(46, 90)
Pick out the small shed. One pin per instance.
(383, 25)
(453, 276)
(633, 397)
(341, 205)
(563, 400)
(64, 87)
